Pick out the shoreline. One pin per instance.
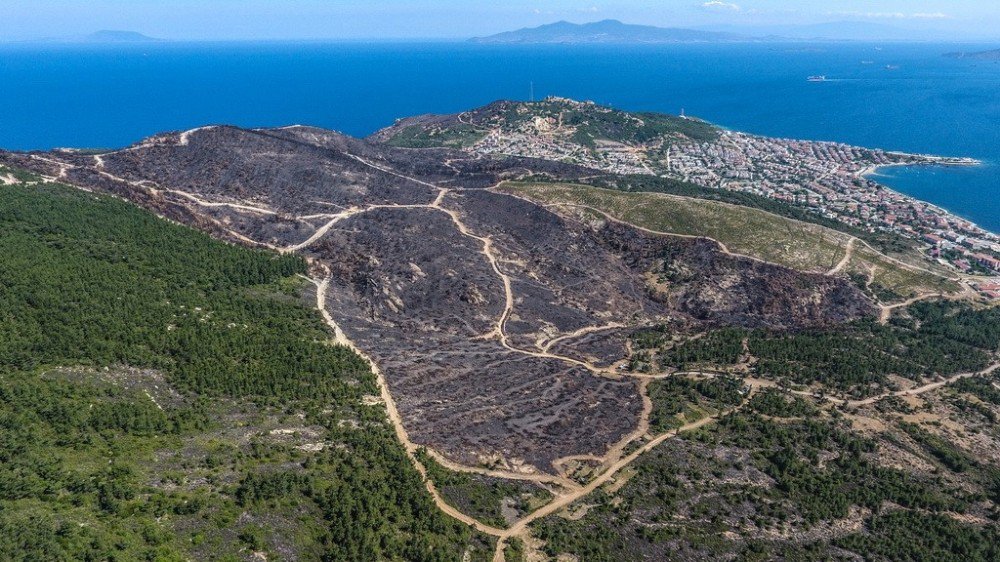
(871, 173)
(926, 161)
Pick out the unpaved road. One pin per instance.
(394, 417)
(846, 259)
(885, 310)
(909, 392)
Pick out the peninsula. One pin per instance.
(829, 180)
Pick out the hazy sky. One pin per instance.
(320, 19)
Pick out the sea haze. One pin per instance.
(908, 98)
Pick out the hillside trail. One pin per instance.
(848, 254)
(581, 332)
(900, 393)
(885, 310)
(203, 203)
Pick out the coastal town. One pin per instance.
(833, 180)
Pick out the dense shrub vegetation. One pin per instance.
(706, 495)
(778, 404)
(934, 338)
(911, 536)
(677, 400)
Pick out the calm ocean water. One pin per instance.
(109, 96)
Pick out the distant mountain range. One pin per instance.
(613, 31)
(112, 36)
(981, 55)
(103, 36)
(607, 31)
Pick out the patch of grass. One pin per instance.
(742, 229)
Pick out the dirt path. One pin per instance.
(582, 331)
(487, 251)
(846, 259)
(63, 166)
(909, 392)
(504, 474)
(394, 418)
(390, 171)
(885, 310)
(237, 206)
(185, 138)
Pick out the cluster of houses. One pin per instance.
(971, 251)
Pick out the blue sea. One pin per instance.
(908, 98)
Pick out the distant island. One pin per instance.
(981, 55)
(104, 36)
(113, 36)
(607, 31)
(615, 32)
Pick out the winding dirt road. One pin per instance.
(848, 254)
(885, 310)
(909, 392)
